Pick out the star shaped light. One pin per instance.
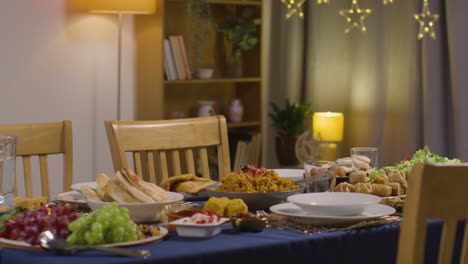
(319, 2)
(294, 7)
(426, 21)
(355, 17)
(388, 2)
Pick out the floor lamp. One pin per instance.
(328, 131)
(121, 7)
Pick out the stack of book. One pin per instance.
(244, 149)
(176, 66)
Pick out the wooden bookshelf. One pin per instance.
(159, 98)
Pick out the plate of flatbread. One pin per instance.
(191, 186)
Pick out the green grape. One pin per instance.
(109, 224)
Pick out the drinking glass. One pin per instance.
(318, 175)
(364, 158)
(7, 172)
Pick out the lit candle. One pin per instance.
(327, 126)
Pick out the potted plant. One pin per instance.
(289, 124)
(240, 34)
(199, 12)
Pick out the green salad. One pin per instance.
(423, 155)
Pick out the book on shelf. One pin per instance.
(180, 57)
(244, 148)
(183, 51)
(169, 63)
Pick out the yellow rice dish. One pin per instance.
(250, 179)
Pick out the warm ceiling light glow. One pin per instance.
(122, 6)
(328, 126)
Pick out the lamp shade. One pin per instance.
(122, 6)
(328, 126)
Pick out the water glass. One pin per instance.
(364, 158)
(318, 175)
(7, 172)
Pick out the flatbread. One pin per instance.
(191, 186)
(186, 183)
(156, 193)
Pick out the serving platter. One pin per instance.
(77, 186)
(8, 243)
(72, 197)
(295, 213)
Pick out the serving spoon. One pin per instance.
(49, 241)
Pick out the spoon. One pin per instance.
(49, 241)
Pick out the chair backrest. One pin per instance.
(164, 146)
(42, 140)
(434, 192)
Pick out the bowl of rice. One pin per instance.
(259, 188)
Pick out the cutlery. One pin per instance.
(49, 241)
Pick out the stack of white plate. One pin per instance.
(332, 207)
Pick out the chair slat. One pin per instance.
(204, 161)
(138, 163)
(464, 249)
(447, 241)
(68, 155)
(163, 164)
(189, 161)
(44, 169)
(27, 170)
(151, 167)
(175, 162)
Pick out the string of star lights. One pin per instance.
(355, 17)
(426, 21)
(319, 2)
(294, 7)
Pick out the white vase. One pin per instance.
(236, 111)
(205, 108)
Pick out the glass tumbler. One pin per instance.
(7, 172)
(319, 175)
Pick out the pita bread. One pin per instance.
(130, 189)
(101, 181)
(90, 193)
(186, 183)
(153, 191)
(191, 186)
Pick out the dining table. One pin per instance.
(371, 244)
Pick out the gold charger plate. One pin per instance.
(8, 243)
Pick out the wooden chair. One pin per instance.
(164, 146)
(42, 140)
(439, 192)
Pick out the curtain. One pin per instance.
(397, 93)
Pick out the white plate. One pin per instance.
(77, 186)
(188, 229)
(334, 203)
(294, 174)
(72, 197)
(295, 213)
(23, 245)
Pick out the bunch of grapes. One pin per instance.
(27, 226)
(109, 224)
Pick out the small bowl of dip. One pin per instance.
(203, 224)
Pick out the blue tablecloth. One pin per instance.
(366, 245)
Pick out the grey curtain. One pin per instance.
(397, 93)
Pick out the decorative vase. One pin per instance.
(234, 67)
(236, 111)
(285, 150)
(205, 108)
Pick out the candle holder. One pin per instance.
(327, 131)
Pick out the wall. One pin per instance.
(59, 62)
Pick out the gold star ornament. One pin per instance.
(355, 17)
(294, 7)
(426, 21)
